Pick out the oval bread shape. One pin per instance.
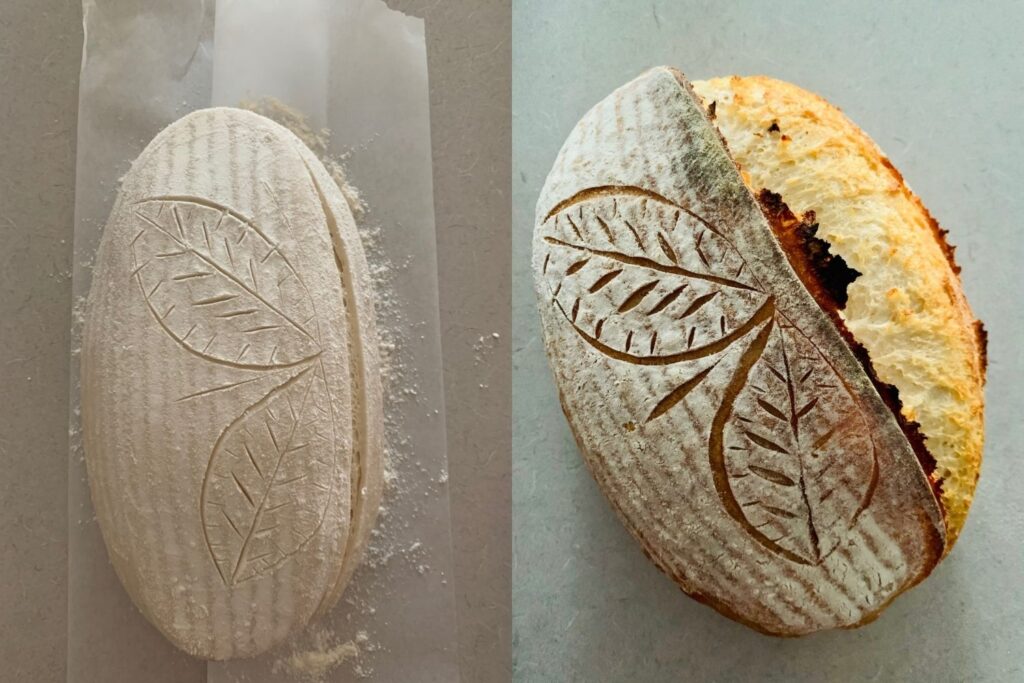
(717, 406)
(231, 399)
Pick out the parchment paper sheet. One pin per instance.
(359, 69)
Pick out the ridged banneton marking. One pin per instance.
(812, 600)
(819, 601)
(790, 450)
(219, 286)
(232, 409)
(648, 374)
(364, 502)
(229, 295)
(624, 264)
(264, 495)
(638, 265)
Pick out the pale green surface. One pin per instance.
(940, 92)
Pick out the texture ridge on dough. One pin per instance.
(231, 398)
(717, 406)
(907, 307)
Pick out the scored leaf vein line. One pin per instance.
(273, 476)
(645, 262)
(226, 274)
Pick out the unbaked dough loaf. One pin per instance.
(231, 398)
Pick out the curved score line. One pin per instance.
(229, 275)
(209, 204)
(628, 191)
(716, 446)
(204, 488)
(205, 356)
(633, 191)
(870, 493)
(360, 418)
(765, 312)
(644, 262)
(854, 396)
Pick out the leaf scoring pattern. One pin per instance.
(791, 452)
(219, 286)
(644, 281)
(264, 495)
(639, 277)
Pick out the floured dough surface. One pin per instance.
(230, 386)
(907, 307)
(716, 404)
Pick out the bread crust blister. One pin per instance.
(716, 404)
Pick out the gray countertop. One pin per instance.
(939, 90)
(40, 51)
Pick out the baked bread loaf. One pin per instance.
(906, 306)
(231, 398)
(765, 356)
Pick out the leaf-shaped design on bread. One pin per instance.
(791, 452)
(645, 281)
(697, 343)
(642, 279)
(264, 494)
(219, 286)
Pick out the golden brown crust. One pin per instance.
(827, 278)
(715, 403)
(907, 309)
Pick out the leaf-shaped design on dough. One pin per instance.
(791, 451)
(219, 286)
(266, 488)
(644, 280)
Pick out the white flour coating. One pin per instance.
(205, 360)
(405, 479)
(718, 408)
(402, 476)
(484, 346)
(317, 141)
(398, 373)
(324, 654)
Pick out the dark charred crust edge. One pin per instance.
(981, 334)
(826, 277)
(828, 273)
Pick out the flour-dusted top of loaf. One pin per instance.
(716, 404)
(230, 385)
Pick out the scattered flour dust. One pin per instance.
(394, 552)
(324, 655)
(317, 141)
(483, 347)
